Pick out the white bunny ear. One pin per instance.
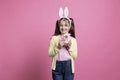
(60, 12)
(66, 12)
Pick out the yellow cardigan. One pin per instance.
(53, 51)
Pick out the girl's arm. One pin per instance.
(53, 50)
(73, 48)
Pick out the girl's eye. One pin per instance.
(66, 25)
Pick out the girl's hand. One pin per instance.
(61, 44)
(68, 44)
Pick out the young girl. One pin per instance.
(63, 49)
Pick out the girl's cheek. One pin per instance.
(69, 29)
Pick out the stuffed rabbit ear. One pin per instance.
(66, 12)
(60, 12)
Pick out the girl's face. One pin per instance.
(64, 26)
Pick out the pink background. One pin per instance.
(27, 25)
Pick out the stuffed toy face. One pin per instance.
(66, 38)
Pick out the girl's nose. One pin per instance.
(63, 26)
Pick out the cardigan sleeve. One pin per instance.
(53, 49)
(73, 49)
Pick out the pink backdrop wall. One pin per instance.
(27, 25)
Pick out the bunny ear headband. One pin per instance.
(66, 12)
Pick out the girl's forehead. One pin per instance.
(64, 21)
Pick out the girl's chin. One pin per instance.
(64, 32)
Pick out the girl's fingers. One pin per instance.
(61, 43)
(69, 42)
